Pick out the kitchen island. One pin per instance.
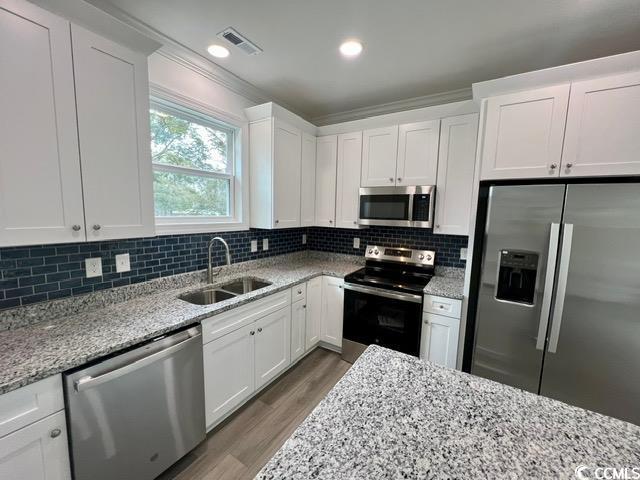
(393, 416)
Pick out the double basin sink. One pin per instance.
(210, 295)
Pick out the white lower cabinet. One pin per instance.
(36, 452)
(272, 340)
(228, 372)
(298, 327)
(313, 319)
(439, 339)
(332, 306)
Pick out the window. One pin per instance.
(194, 166)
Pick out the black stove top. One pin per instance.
(398, 269)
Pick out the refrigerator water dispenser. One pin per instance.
(517, 272)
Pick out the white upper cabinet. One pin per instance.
(418, 153)
(456, 167)
(523, 133)
(275, 153)
(379, 153)
(113, 115)
(326, 168)
(603, 127)
(348, 185)
(40, 187)
(308, 181)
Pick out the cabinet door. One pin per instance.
(228, 372)
(287, 155)
(332, 310)
(298, 326)
(439, 339)
(113, 125)
(379, 154)
(348, 183)
(36, 452)
(523, 133)
(314, 312)
(326, 165)
(40, 186)
(308, 182)
(273, 346)
(456, 165)
(603, 127)
(418, 153)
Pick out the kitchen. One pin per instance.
(224, 254)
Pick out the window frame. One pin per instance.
(206, 115)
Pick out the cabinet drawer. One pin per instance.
(26, 405)
(299, 292)
(442, 306)
(227, 322)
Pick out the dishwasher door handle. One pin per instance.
(87, 382)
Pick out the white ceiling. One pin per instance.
(412, 47)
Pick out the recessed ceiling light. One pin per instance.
(218, 51)
(351, 48)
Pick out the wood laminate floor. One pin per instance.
(244, 443)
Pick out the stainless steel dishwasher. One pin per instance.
(133, 415)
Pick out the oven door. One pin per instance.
(389, 206)
(384, 317)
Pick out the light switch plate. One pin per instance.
(254, 246)
(265, 244)
(463, 254)
(304, 238)
(93, 267)
(356, 242)
(123, 263)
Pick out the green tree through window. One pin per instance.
(193, 166)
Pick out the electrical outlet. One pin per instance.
(304, 238)
(254, 246)
(463, 254)
(265, 244)
(123, 263)
(93, 267)
(356, 242)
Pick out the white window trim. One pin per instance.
(239, 219)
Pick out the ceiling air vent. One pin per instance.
(240, 41)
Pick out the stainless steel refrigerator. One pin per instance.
(557, 299)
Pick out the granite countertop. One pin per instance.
(33, 352)
(448, 282)
(393, 416)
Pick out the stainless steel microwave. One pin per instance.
(397, 206)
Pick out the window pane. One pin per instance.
(182, 142)
(180, 195)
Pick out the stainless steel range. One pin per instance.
(383, 301)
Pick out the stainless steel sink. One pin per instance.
(206, 296)
(244, 285)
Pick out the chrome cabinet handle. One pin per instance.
(438, 226)
(553, 166)
(259, 329)
(399, 179)
(97, 227)
(304, 306)
(330, 221)
(252, 332)
(299, 292)
(355, 223)
(55, 433)
(569, 165)
(548, 285)
(563, 272)
(76, 228)
(277, 221)
(391, 179)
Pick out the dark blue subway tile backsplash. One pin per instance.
(48, 272)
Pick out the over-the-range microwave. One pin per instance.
(397, 206)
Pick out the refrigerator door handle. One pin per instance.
(545, 311)
(563, 272)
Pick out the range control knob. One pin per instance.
(376, 251)
(421, 257)
(370, 251)
(429, 257)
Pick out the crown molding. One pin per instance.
(393, 107)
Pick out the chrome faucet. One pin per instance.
(209, 268)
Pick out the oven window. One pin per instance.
(384, 207)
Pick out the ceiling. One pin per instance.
(411, 47)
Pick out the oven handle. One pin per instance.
(380, 292)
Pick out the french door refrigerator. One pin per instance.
(557, 297)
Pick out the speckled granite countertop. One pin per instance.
(392, 416)
(36, 351)
(448, 282)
